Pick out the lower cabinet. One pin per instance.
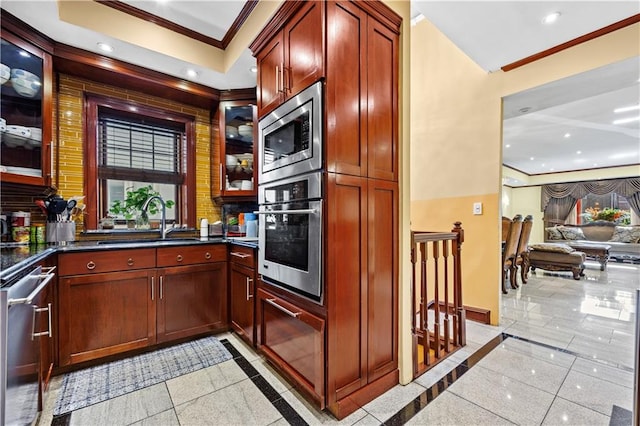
(104, 310)
(105, 314)
(293, 339)
(191, 300)
(242, 287)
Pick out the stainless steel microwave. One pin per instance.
(290, 137)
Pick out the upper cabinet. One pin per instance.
(25, 112)
(291, 59)
(238, 150)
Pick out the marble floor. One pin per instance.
(562, 355)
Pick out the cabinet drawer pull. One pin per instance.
(240, 255)
(130, 262)
(179, 258)
(207, 255)
(91, 265)
(273, 303)
(249, 295)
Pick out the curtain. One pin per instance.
(628, 188)
(558, 209)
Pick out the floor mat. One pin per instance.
(96, 384)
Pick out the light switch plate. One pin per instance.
(477, 208)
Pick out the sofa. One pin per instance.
(623, 239)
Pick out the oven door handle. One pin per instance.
(300, 211)
(29, 299)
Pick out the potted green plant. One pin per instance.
(131, 207)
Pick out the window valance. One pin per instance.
(627, 187)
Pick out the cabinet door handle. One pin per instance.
(240, 255)
(285, 80)
(33, 328)
(273, 303)
(178, 258)
(282, 88)
(277, 81)
(161, 287)
(130, 262)
(91, 265)
(249, 295)
(152, 289)
(220, 176)
(207, 255)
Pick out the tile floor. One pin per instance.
(562, 355)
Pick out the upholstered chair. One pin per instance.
(510, 249)
(521, 253)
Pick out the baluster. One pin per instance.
(445, 256)
(436, 297)
(423, 303)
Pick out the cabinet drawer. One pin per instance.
(242, 255)
(293, 339)
(95, 262)
(191, 255)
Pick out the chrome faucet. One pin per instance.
(163, 217)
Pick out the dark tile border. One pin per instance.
(419, 403)
(283, 407)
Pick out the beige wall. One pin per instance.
(456, 142)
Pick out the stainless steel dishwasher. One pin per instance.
(25, 317)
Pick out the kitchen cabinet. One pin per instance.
(292, 338)
(290, 59)
(362, 322)
(242, 270)
(362, 70)
(113, 301)
(361, 192)
(238, 151)
(25, 112)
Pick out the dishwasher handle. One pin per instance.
(48, 276)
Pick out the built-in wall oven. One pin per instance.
(290, 137)
(290, 234)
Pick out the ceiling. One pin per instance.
(492, 33)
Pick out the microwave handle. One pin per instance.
(301, 211)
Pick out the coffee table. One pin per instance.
(599, 252)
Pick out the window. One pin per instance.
(130, 146)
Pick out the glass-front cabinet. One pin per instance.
(238, 130)
(25, 113)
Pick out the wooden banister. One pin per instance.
(436, 273)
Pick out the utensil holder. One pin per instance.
(61, 232)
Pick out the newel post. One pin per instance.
(461, 334)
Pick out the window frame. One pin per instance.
(186, 201)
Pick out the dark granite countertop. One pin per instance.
(16, 258)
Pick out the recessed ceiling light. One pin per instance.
(525, 109)
(626, 120)
(628, 108)
(253, 69)
(542, 164)
(551, 18)
(567, 135)
(105, 47)
(507, 146)
(595, 164)
(531, 158)
(191, 73)
(578, 152)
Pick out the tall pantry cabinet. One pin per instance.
(360, 42)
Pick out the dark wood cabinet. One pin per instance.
(362, 71)
(191, 300)
(25, 151)
(293, 339)
(242, 289)
(361, 197)
(105, 314)
(113, 301)
(292, 58)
